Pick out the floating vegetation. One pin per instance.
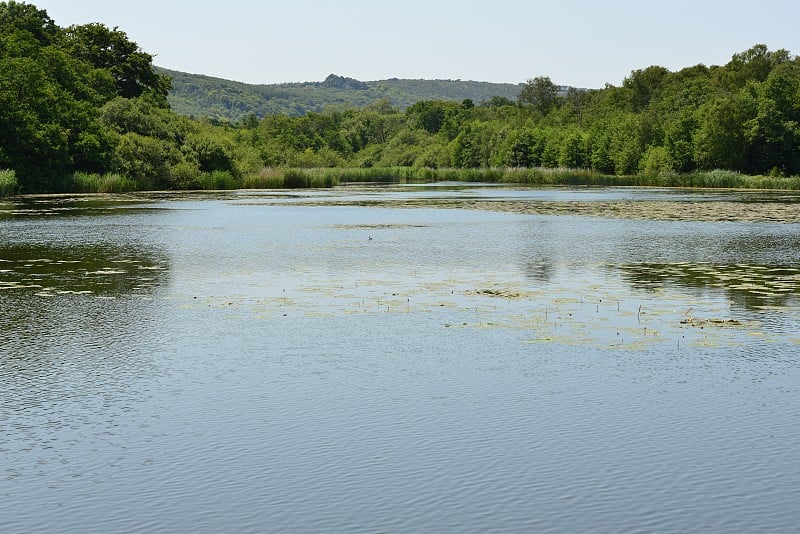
(79, 270)
(500, 293)
(590, 311)
(645, 209)
(701, 323)
(753, 286)
(740, 206)
(376, 226)
(630, 306)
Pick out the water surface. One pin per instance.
(427, 358)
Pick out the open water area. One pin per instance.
(433, 358)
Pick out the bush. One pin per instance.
(145, 159)
(8, 183)
(656, 162)
(184, 175)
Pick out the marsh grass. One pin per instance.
(102, 183)
(272, 178)
(216, 180)
(319, 178)
(8, 183)
(715, 179)
(330, 177)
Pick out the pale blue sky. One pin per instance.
(581, 43)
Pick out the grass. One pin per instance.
(317, 178)
(8, 183)
(329, 177)
(216, 180)
(271, 178)
(102, 183)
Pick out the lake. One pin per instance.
(438, 358)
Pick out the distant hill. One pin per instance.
(197, 95)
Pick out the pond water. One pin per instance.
(441, 358)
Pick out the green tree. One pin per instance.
(752, 65)
(539, 92)
(22, 18)
(475, 145)
(497, 101)
(431, 115)
(773, 134)
(573, 151)
(679, 140)
(644, 84)
(522, 148)
(720, 141)
(111, 50)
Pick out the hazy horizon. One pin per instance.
(322, 79)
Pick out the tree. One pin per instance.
(644, 84)
(497, 102)
(48, 102)
(26, 18)
(110, 49)
(752, 65)
(720, 141)
(577, 100)
(539, 92)
(773, 134)
(521, 149)
(430, 115)
(573, 151)
(679, 140)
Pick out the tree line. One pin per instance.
(196, 95)
(85, 100)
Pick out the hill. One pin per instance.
(196, 95)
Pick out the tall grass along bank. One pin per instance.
(102, 183)
(271, 178)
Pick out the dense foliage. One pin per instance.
(82, 109)
(744, 117)
(56, 85)
(195, 95)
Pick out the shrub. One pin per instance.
(656, 162)
(185, 175)
(8, 183)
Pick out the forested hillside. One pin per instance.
(195, 95)
(83, 109)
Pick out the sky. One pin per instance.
(579, 43)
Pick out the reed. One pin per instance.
(218, 180)
(8, 183)
(102, 183)
(300, 178)
(267, 178)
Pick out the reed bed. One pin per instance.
(319, 178)
(272, 178)
(102, 183)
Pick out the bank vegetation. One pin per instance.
(82, 109)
